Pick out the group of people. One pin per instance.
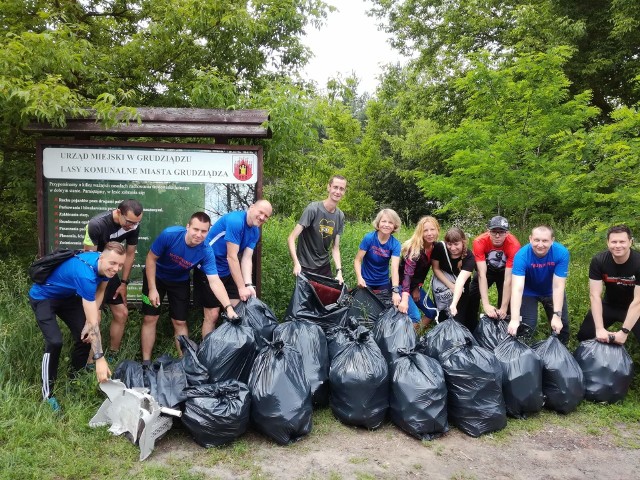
(221, 256)
(524, 276)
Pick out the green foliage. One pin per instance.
(502, 157)
(444, 34)
(603, 164)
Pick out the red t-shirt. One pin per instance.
(497, 258)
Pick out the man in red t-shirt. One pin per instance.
(494, 251)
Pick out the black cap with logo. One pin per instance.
(498, 223)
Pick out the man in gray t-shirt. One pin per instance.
(319, 227)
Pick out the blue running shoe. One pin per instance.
(54, 405)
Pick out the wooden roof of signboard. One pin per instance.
(169, 122)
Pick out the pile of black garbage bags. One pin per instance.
(363, 359)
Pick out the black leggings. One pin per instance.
(70, 312)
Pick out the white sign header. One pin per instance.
(149, 165)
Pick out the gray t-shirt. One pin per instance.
(320, 230)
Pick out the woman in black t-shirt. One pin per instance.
(454, 257)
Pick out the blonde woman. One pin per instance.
(414, 267)
(376, 250)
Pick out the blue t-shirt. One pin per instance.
(233, 228)
(538, 272)
(176, 258)
(76, 276)
(375, 264)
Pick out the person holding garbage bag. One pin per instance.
(415, 263)
(172, 254)
(233, 239)
(376, 249)
(617, 272)
(452, 259)
(318, 230)
(494, 251)
(540, 271)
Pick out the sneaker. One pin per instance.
(54, 405)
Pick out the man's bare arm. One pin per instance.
(150, 272)
(233, 261)
(517, 289)
(291, 242)
(246, 266)
(91, 334)
(337, 260)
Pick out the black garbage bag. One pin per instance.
(521, 377)
(228, 352)
(217, 414)
(365, 306)
(443, 336)
(338, 337)
(392, 331)
(196, 372)
(352, 322)
(562, 378)
(490, 332)
(607, 369)
(318, 299)
(130, 373)
(150, 376)
(474, 385)
(281, 398)
(418, 398)
(171, 381)
(257, 315)
(359, 379)
(309, 339)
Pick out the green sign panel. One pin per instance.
(172, 182)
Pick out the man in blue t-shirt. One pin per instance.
(233, 239)
(540, 272)
(172, 255)
(74, 292)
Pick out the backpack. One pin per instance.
(40, 269)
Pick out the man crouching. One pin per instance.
(74, 292)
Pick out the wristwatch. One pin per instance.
(396, 289)
(558, 314)
(98, 356)
(625, 330)
(126, 282)
(249, 285)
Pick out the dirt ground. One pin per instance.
(341, 452)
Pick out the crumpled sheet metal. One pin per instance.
(135, 413)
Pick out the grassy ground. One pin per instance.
(35, 444)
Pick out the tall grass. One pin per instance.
(35, 444)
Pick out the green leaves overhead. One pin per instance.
(503, 156)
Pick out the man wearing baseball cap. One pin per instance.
(494, 251)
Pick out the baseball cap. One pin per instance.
(498, 223)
